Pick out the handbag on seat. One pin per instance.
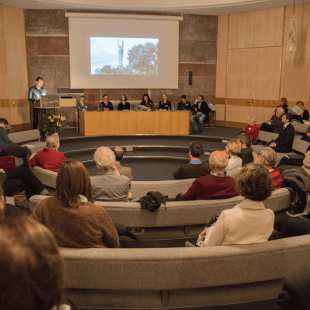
(7, 162)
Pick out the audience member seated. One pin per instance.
(246, 153)
(283, 104)
(123, 105)
(49, 158)
(233, 149)
(8, 211)
(249, 221)
(164, 104)
(81, 105)
(296, 291)
(8, 147)
(71, 214)
(105, 105)
(251, 129)
(306, 137)
(147, 102)
(119, 155)
(109, 185)
(31, 267)
(304, 115)
(214, 186)
(201, 112)
(184, 105)
(275, 124)
(19, 180)
(195, 167)
(284, 142)
(268, 158)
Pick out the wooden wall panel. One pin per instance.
(221, 68)
(266, 73)
(2, 56)
(17, 68)
(220, 112)
(239, 73)
(13, 22)
(262, 114)
(5, 113)
(1, 20)
(296, 79)
(237, 113)
(268, 30)
(241, 30)
(4, 87)
(20, 115)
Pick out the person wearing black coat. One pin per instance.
(164, 104)
(105, 105)
(284, 142)
(201, 113)
(195, 168)
(123, 105)
(184, 105)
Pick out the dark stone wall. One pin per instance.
(47, 42)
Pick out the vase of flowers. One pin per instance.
(53, 124)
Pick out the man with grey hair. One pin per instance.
(216, 185)
(109, 184)
(275, 124)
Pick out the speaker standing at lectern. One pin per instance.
(35, 93)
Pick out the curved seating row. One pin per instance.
(179, 220)
(166, 278)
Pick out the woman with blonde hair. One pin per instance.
(31, 267)
(71, 214)
(164, 104)
(268, 158)
(233, 149)
(252, 129)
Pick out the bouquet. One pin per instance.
(53, 124)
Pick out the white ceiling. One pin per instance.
(203, 7)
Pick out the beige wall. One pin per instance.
(13, 68)
(254, 70)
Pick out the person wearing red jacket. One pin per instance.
(49, 158)
(214, 186)
(251, 129)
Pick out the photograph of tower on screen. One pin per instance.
(124, 56)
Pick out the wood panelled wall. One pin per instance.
(254, 70)
(14, 105)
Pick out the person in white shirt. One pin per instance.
(249, 221)
(233, 148)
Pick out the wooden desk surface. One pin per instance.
(135, 122)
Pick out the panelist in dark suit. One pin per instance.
(147, 102)
(105, 105)
(164, 104)
(183, 104)
(195, 168)
(284, 142)
(123, 105)
(201, 113)
(82, 105)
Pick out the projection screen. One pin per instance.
(123, 51)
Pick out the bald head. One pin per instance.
(119, 153)
(218, 161)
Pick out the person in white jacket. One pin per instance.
(249, 221)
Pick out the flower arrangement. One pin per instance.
(53, 124)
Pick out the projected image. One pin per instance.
(124, 56)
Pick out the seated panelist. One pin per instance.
(105, 105)
(184, 105)
(123, 105)
(147, 102)
(201, 113)
(164, 104)
(81, 105)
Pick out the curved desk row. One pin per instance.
(135, 122)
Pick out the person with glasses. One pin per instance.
(9, 148)
(105, 105)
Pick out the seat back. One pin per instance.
(267, 136)
(25, 136)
